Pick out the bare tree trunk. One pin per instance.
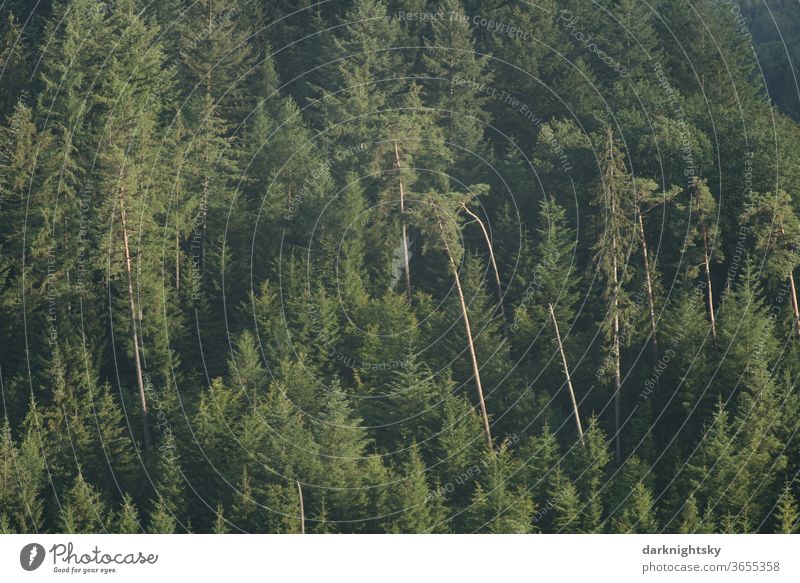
(302, 509)
(475, 369)
(617, 382)
(615, 308)
(794, 302)
(177, 262)
(494, 264)
(793, 289)
(649, 284)
(566, 374)
(134, 333)
(709, 291)
(406, 267)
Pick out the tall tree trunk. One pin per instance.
(403, 227)
(707, 261)
(134, 333)
(793, 289)
(567, 375)
(475, 369)
(302, 509)
(498, 285)
(649, 283)
(177, 262)
(615, 342)
(794, 302)
(617, 378)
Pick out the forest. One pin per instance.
(399, 266)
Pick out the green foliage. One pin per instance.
(207, 196)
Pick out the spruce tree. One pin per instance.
(83, 510)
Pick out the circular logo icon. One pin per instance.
(31, 556)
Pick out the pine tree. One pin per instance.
(459, 73)
(588, 464)
(244, 511)
(127, 521)
(220, 523)
(162, 519)
(83, 510)
(702, 245)
(15, 67)
(787, 516)
(498, 506)
(776, 229)
(366, 81)
(245, 369)
(215, 58)
(629, 35)
(566, 505)
(460, 445)
(690, 521)
(418, 510)
(638, 515)
(441, 230)
(613, 250)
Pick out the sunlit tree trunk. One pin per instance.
(475, 369)
(566, 374)
(134, 332)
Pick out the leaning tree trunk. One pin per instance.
(793, 289)
(794, 302)
(709, 291)
(475, 369)
(134, 333)
(567, 375)
(649, 285)
(403, 227)
(302, 509)
(494, 265)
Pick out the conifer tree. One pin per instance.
(215, 58)
(458, 73)
(566, 504)
(366, 81)
(127, 521)
(702, 245)
(12, 56)
(776, 229)
(589, 468)
(83, 510)
(418, 510)
(613, 250)
(637, 514)
(498, 505)
(441, 227)
(787, 516)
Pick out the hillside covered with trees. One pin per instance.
(399, 266)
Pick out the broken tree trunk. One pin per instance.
(649, 285)
(615, 308)
(493, 262)
(302, 509)
(406, 268)
(793, 289)
(134, 332)
(475, 369)
(795, 307)
(709, 291)
(567, 375)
